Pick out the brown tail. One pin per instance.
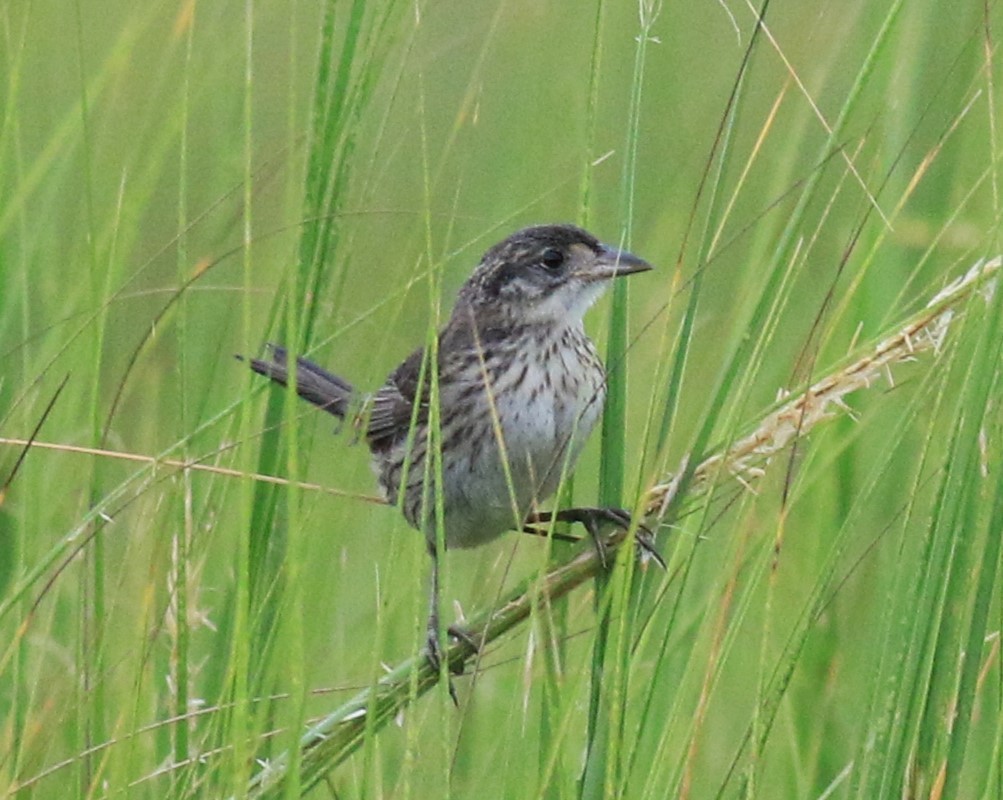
(314, 383)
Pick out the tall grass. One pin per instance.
(199, 595)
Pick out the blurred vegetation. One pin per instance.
(183, 182)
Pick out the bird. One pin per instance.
(517, 386)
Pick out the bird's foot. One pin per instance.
(436, 655)
(593, 518)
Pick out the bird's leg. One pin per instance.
(435, 652)
(592, 518)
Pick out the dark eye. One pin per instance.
(552, 258)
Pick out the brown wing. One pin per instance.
(390, 409)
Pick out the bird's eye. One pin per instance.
(552, 258)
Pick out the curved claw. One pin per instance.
(436, 656)
(646, 541)
(461, 635)
(591, 517)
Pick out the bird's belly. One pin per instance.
(505, 446)
(532, 433)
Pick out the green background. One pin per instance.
(180, 182)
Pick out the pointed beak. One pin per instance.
(613, 263)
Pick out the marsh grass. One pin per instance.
(181, 184)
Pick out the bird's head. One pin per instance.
(547, 273)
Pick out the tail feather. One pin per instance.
(313, 383)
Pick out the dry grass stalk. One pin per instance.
(747, 458)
